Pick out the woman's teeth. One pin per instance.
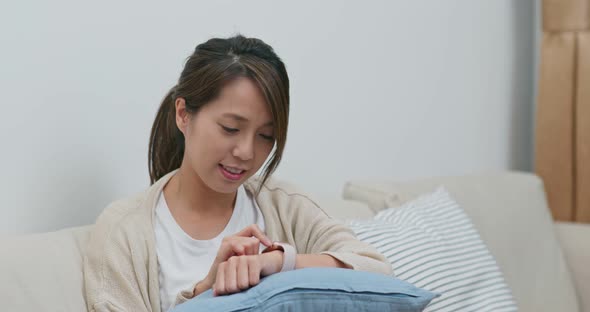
(233, 170)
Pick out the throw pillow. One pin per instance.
(318, 289)
(432, 244)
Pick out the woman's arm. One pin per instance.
(116, 267)
(309, 261)
(274, 260)
(319, 236)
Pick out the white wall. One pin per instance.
(380, 89)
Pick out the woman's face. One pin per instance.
(229, 139)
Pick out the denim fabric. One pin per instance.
(318, 289)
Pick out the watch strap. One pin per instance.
(289, 255)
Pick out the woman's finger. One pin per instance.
(243, 276)
(254, 230)
(238, 248)
(254, 246)
(243, 245)
(254, 270)
(231, 282)
(219, 286)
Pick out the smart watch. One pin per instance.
(289, 255)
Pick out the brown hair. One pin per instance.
(212, 65)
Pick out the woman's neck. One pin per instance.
(187, 192)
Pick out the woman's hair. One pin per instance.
(214, 64)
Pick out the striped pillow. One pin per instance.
(432, 244)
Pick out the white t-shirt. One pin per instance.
(183, 261)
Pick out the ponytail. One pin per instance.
(166, 147)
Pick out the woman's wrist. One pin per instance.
(273, 261)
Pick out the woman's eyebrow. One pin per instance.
(235, 116)
(242, 118)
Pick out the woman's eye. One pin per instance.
(229, 130)
(267, 137)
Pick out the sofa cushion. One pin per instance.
(318, 289)
(574, 239)
(432, 244)
(43, 272)
(510, 212)
(343, 209)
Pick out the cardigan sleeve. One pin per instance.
(116, 268)
(314, 232)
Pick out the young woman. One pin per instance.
(206, 222)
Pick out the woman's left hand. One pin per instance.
(239, 273)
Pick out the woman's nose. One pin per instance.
(244, 150)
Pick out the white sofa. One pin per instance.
(544, 263)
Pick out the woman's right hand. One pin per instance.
(244, 243)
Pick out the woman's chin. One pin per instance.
(225, 187)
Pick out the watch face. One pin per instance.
(278, 246)
(272, 247)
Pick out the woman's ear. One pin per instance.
(182, 116)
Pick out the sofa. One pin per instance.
(544, 263)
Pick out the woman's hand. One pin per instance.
(242, 272)
(244, 243)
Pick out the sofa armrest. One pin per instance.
(43, 272)
(575, 242)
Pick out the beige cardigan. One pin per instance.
(121, 265)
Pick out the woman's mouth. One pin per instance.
(231, 173)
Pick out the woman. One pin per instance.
(206, 222)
